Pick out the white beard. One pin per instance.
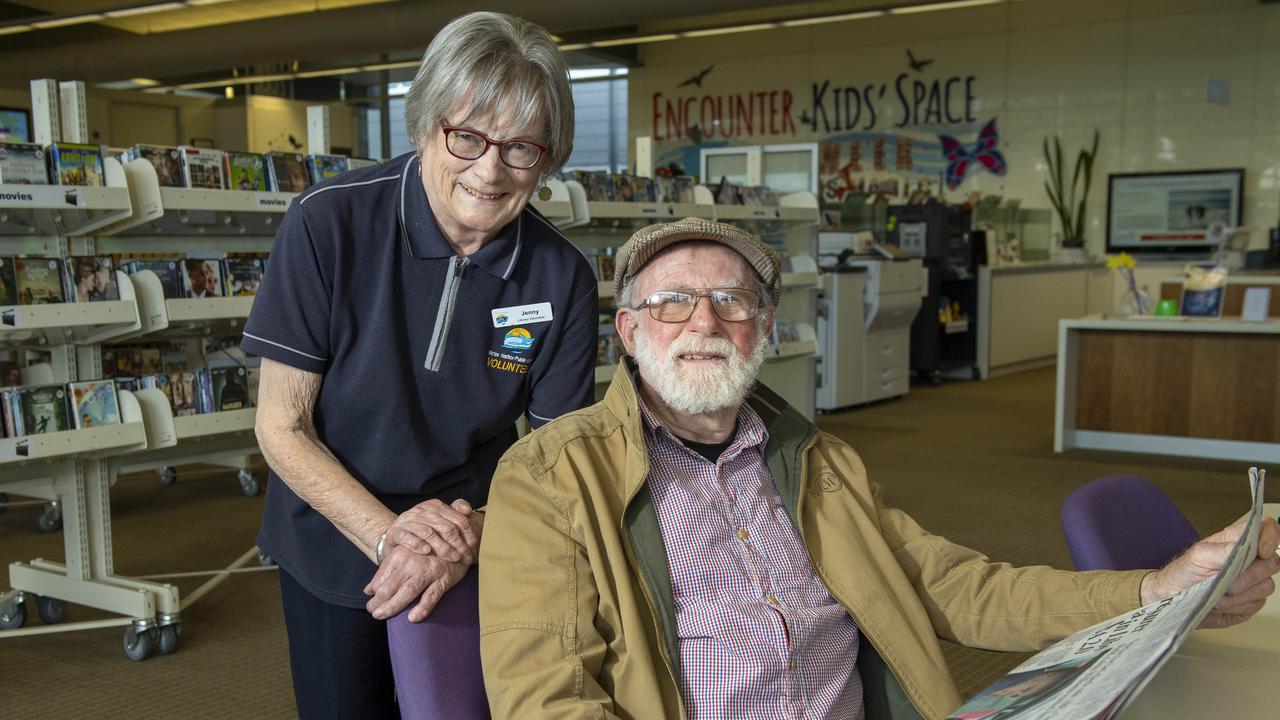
(699, 389)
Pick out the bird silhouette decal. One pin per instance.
(697, 79)
(917, 65)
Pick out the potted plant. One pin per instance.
(1071, 212)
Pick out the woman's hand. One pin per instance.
(405, 576)
(450, 532)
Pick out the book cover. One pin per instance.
(44, 409)
(38, 281)
(323, 167)
(23, 164)
(230, 388)
(167, 269)
(167, 162)
(202, 278)
(8, 282)
(246, 171)
(75, 164)
(95, 403)
(287, 172)
(91, 279)
(202, 168)
(242, 275)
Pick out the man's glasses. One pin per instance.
(466, 144)
(729, 304)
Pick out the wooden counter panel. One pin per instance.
(1216, 386)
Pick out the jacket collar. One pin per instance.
(787, 430)
(424, 240)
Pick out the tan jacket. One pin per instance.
(576, 613)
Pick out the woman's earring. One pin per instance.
(544, 193)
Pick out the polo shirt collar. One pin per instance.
(424, 240)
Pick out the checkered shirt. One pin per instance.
(759, 635)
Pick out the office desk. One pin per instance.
(1231, 673)
(1181, 386)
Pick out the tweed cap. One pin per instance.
(652, 239)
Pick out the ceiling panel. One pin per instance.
(191, 17)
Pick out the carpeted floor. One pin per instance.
(972, 461)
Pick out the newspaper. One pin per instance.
(1098, 671)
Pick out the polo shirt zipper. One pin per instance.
(444, 315)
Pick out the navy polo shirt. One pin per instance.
(428, 357)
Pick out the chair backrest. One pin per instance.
(1123, 522)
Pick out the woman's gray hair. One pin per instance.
(500, 65)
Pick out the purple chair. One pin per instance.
(1123, 522)
(436, 662)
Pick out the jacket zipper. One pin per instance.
(444, 315)
(653, 615)
(817, 568)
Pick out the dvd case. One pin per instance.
(43, 409)
(287, 172)
(38, 281)
(202, 168)
(91, 279)
(230, 389)
(23, 164)
(169, 271)
(75, 164)
(8, 283)
(202, 278)
(323, 167)
(95, 403)
(167, 162)
(242, 275)
(246, 171)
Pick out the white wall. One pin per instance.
(1137, 70)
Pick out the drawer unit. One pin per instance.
(887, 388)
(888, 349)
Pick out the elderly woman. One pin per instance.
(411, 313)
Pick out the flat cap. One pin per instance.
(652, 239)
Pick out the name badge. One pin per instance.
(521, 314)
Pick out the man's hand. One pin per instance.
(405, 576)
(433, 528)
(1202, 561)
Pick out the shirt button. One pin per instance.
(772, 600)
(743, 534)
(793, 665)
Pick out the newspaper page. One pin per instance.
(1099, 670)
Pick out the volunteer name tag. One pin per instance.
(521, 314)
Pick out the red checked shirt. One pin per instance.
(759, 635)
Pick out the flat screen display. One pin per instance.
(15, 125)
(1171, 212)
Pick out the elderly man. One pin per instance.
(691, 547)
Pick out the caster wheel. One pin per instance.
(51, 610)
(50, 520)
(13, 615)
(265, 560)
(168, 475)
(138, 646)
(249, 485)
(167, 639)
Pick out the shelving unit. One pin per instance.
(791, 226)
(74, 470)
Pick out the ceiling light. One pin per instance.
(198, 3)
(800, 22)
(635, 40)
(954, 4)
(727, 30)
(574, 46)
(143, 9)
(402, 65)
(328, 72)
(14, 29)
(64, 21)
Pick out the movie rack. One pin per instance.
(65, 210)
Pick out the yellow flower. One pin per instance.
(1123, 260)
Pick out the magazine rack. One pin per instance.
(65, 210)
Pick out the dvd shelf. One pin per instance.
(73, 469)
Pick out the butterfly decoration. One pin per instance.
(961, 158)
